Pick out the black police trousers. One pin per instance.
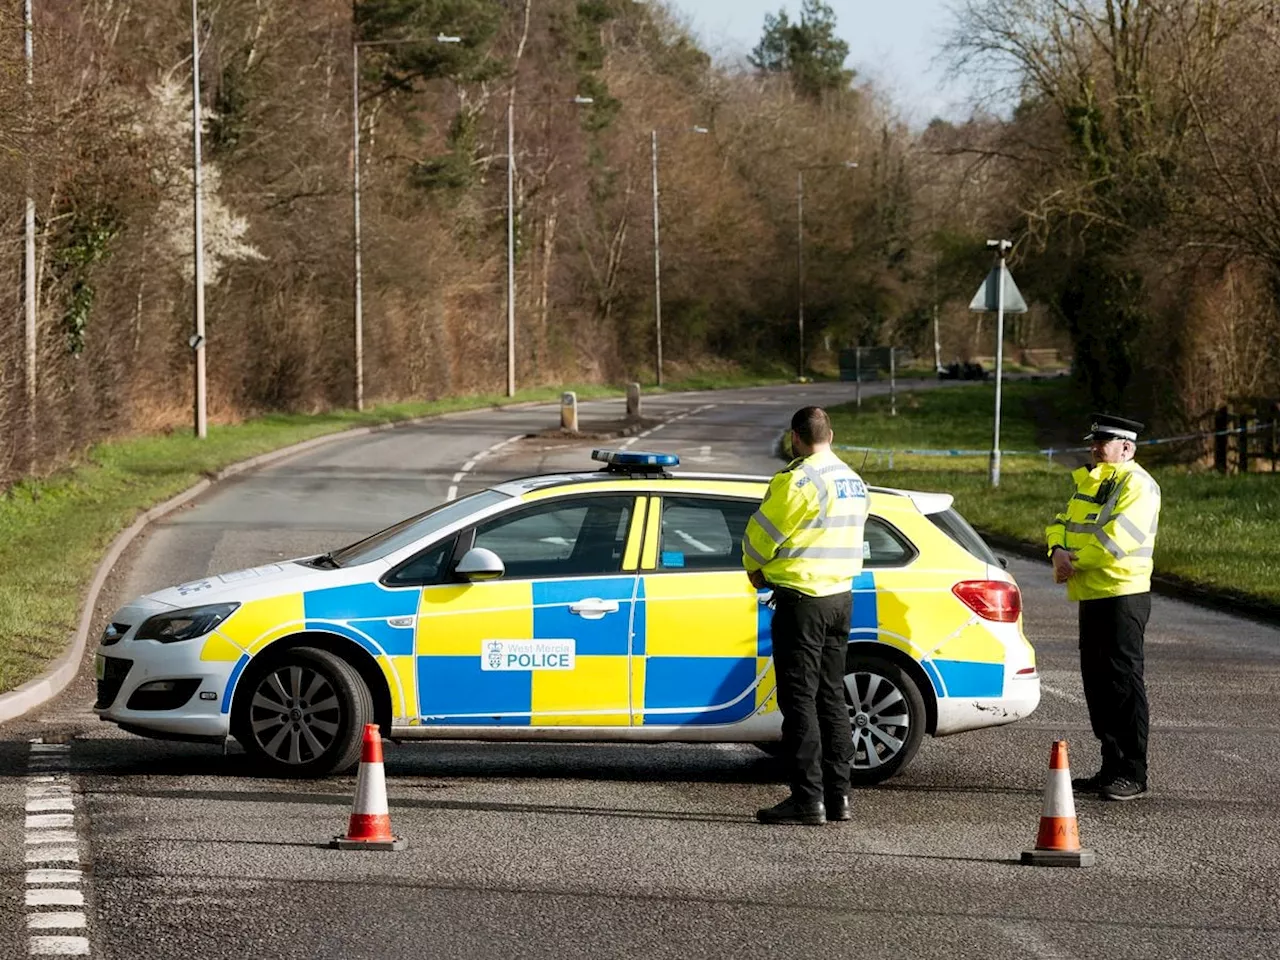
(1112, 630)
(810, 640)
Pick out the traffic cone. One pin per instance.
(1058, 840)
(370, 824)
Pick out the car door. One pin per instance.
(548, 643)
(701, 650)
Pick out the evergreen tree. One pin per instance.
(808, 50)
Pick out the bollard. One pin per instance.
(633, 401)
(569, 411)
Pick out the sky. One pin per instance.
(892, 42)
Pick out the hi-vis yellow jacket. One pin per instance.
(1110, 525)
(807, 534)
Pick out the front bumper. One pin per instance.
(124, 667)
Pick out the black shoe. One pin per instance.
(1090, 784)
(791, 810)
(837, 808)
(1123, 789)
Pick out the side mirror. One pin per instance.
(1004, 562)
(480, 564)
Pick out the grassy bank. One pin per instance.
(53, 532)
(1216, 531)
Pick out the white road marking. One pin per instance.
(1059, 692)
(59, 946)
(49, 897)
(68, 920)
(51, 836)
(53, 875)
(467, 467)
(51, 839)
(40, 820)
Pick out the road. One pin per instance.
(172, 850)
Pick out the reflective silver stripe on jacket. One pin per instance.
(831, 523)
(753, 553)
(815, 477)
(820, 553)
(768, 526)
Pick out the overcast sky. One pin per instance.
(892, 42)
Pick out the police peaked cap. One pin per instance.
(1104, 426)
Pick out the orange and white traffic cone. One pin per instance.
(370, 824)
(1058, 840)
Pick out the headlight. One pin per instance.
(185, 624)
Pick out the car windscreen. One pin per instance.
(957, 528)
(386, 542)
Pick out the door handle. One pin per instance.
(593, 608)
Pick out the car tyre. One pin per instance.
(887, 713)
(302, 714)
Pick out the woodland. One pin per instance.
(1129, 149)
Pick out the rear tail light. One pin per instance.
(990, 599)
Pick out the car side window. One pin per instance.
(582, 536)
(703, 533)
(884, 546)
(429, 566)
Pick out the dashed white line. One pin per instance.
(467, 467)
(51, 839)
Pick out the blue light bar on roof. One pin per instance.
(634, 458)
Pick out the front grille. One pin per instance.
(114, 671)
(148, 698)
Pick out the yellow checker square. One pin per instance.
(219, 649)
(975, 643)
(637, 691)
(700, 615)
(917, 607)
(455, 620)
(402, 681)
(767, 688)
(258, 622)
(570, 698)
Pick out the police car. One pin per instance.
(603, 605)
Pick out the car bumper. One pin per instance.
(1020, 698)
(132, 676)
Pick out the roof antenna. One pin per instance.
(865, 453)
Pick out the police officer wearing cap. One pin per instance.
(805, 543)
(1101, 548)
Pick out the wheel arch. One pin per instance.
(357, 656)
(912, 668)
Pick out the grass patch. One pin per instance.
(1215, 530)
(54, 531)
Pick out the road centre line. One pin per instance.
(467, 467)
(59, 946)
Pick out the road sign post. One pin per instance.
(1000, 294)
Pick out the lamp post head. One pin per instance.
(1001, 245)
(444, 38)
(583, 100)
(700, 129)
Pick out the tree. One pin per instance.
(809, 51)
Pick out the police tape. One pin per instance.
(1049, 452)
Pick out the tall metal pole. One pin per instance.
(355, 211)
(197, 341)
(511, 251)
(800, 266)
(995, 443)
(29, 260)
(657, 263)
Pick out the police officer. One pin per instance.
(805, 542)
(1101, 548)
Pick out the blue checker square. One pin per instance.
(359, 600)
(456, 685)
(607, 636)
(967, 679)
(864, 612)
(672, 682)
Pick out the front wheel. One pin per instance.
(887, 714)
(302, 714)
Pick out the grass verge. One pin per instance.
(1215, 531)
(54, 531)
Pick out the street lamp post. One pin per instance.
(1001, 247)
(358, 294)
(848, 164)
(197, 338)
(511, 236)
(657, 255)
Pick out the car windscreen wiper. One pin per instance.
(324, 562)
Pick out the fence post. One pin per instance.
(1242, 424)
(1271, 438)
(1221, 422)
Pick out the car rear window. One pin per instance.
(957, 528)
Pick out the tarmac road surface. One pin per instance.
(170, 850)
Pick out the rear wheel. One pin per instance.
(887, 713)
(302, 714)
